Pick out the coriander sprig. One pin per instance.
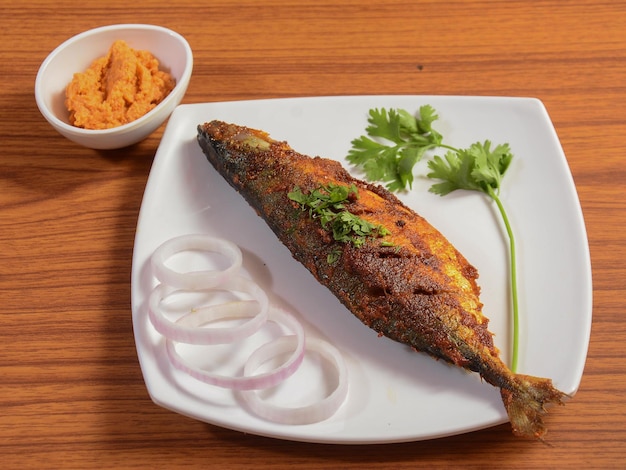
(477, 168)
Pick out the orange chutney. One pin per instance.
(116, 89)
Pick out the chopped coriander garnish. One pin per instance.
(333, 256)
(328, 204)
(477, 168)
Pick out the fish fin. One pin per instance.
(526, 404)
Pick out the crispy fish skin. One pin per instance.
(416, 288)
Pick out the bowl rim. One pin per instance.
(68, 128)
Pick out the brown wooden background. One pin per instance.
(71, 391)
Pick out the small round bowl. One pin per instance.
(76, 55)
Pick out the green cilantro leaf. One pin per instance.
(490, 165)
(455, 169)
(405, 139)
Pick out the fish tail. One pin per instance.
(526, 404)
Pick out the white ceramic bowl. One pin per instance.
(76, 55)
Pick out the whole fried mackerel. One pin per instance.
(410, 284)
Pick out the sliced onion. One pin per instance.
(190, 328)
(194, 279)
(186, 329)
(308, 414)
(248, 381)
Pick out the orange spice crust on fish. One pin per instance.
(416, 288)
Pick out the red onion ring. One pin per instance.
(194, 279)
(186, 330)
(247, 381)
(308, 414)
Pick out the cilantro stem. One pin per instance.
(513, 269)
(447, 147)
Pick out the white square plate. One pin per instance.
(395, 394)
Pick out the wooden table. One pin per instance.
(71, 390)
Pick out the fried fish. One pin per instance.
(402, 278)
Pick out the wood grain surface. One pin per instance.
(71, 390)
